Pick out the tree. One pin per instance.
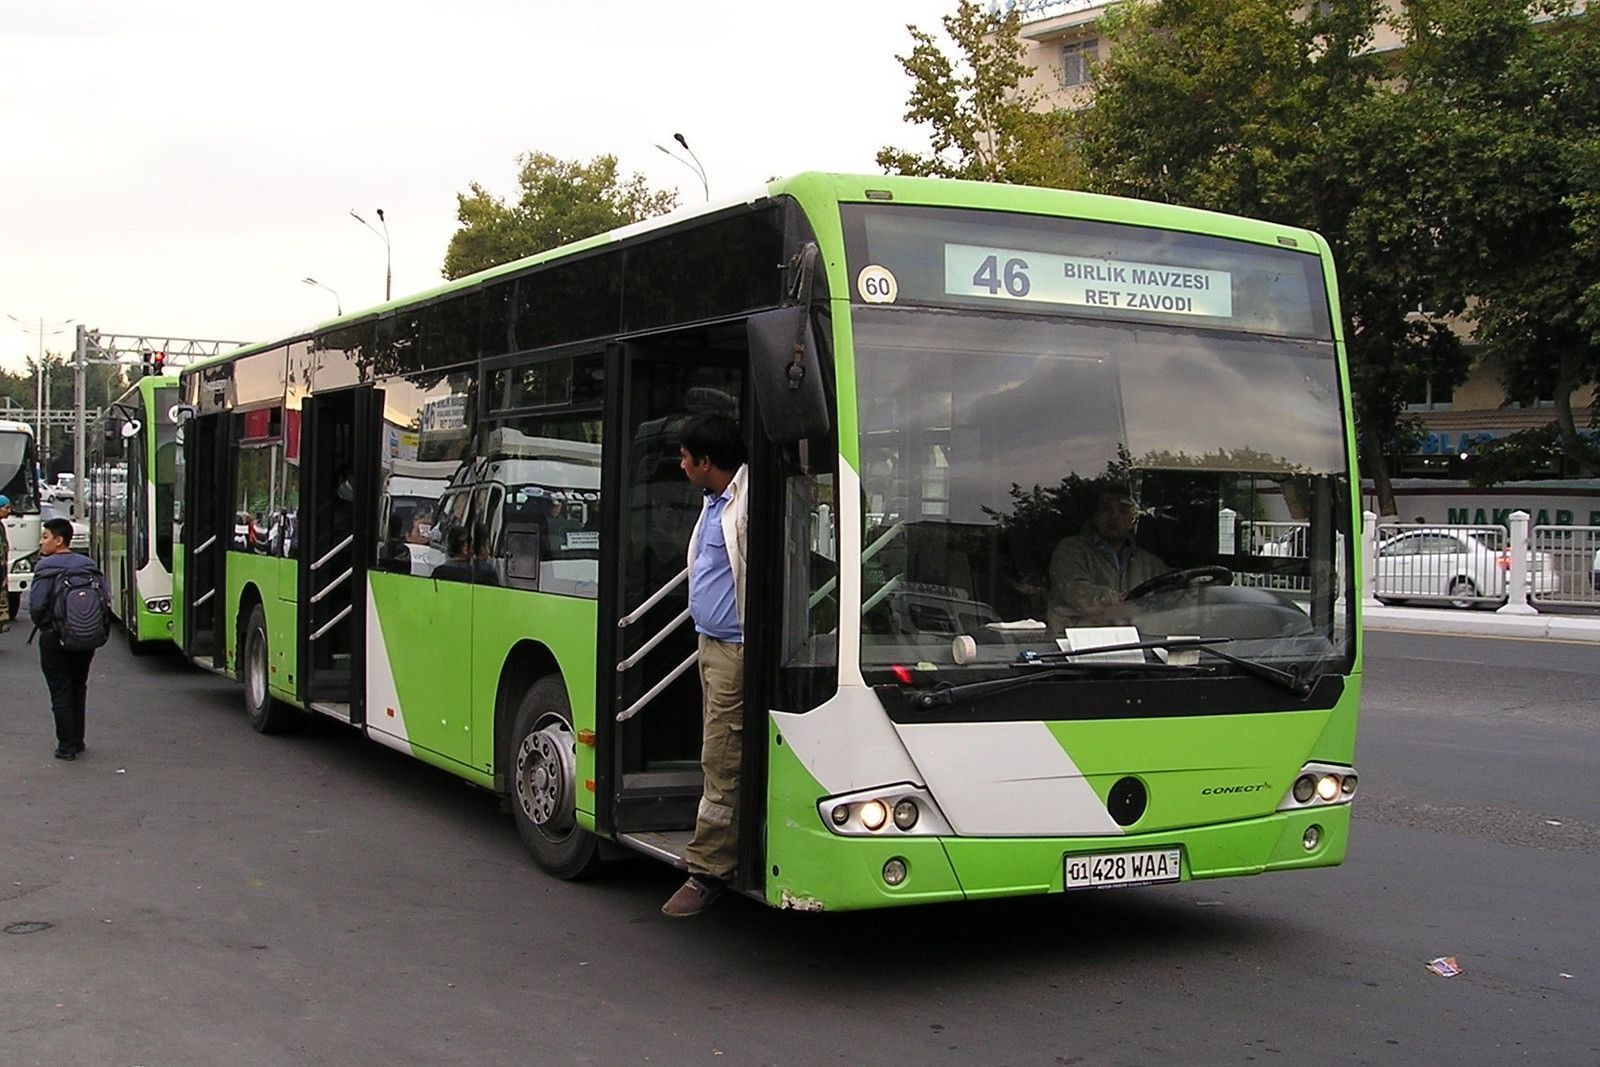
(1268, 109)
(560, 201)
(1516, 172)
(985, 125)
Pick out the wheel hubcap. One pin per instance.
(546, 773)
(256, 672)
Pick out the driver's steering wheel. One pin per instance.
(1193, 576)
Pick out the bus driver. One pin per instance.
(1091, 573)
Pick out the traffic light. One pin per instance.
(152, 363)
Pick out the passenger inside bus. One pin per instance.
(459, 565)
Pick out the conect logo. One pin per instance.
(1217, 790)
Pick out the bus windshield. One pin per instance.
(18, 472)
(990, 441)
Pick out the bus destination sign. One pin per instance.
(1112, 284)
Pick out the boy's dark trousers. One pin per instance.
(67, 676)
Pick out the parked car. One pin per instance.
(1453, 565)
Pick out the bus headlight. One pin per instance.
(873, 815)
(887, 811)
(1319, 785)
(906, 813)
(25, 564)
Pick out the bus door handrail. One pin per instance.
(331, 623)
(633, 709)
(207, 543)
(209, 593)
(334, 551)
(655, 598)
(661, 636)
(331, 586)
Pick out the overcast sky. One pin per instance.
(177, 167)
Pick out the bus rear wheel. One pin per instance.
(544, 783)
(267, 714)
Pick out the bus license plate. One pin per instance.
(1123, 868)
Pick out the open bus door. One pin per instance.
(207, 532)
(648, 706)
(339, 440)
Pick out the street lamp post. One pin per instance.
(338, 305)
(699, 171)
(388, 257)
(41, 382)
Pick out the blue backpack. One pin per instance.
(78, 614)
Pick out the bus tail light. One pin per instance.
(887, 811)
(1319, 785)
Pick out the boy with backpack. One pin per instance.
(70, 604)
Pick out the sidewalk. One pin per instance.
(1482, 623)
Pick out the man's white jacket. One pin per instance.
(735, 522)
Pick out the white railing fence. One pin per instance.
(1573, 556)
(1516, 568)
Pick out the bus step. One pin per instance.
(335, 711)
(206, 663)
(669, 845)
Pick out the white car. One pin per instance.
(1453, 565)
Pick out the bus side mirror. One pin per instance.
(131, 428)
(787, 374)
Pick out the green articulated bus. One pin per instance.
(938, 382)
(132, 462)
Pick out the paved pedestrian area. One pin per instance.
(1469, 623)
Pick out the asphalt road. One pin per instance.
(217, 897)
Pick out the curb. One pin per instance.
(1468, 623)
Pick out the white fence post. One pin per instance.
(1369, 558)
(1519, 547)
(1226, 537)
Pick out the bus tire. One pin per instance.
(542, 776)
(267, 714)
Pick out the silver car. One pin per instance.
(1456, 566)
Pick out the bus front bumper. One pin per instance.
(846, 873)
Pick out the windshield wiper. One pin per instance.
(949, 694)
(1028, 658)
(1290, 680)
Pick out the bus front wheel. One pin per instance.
(267, 714)
(543, 779)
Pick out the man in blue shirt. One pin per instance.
(711, 452)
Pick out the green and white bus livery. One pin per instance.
(457, 522)
(132, 463)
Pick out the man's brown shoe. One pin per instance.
(693, 897)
